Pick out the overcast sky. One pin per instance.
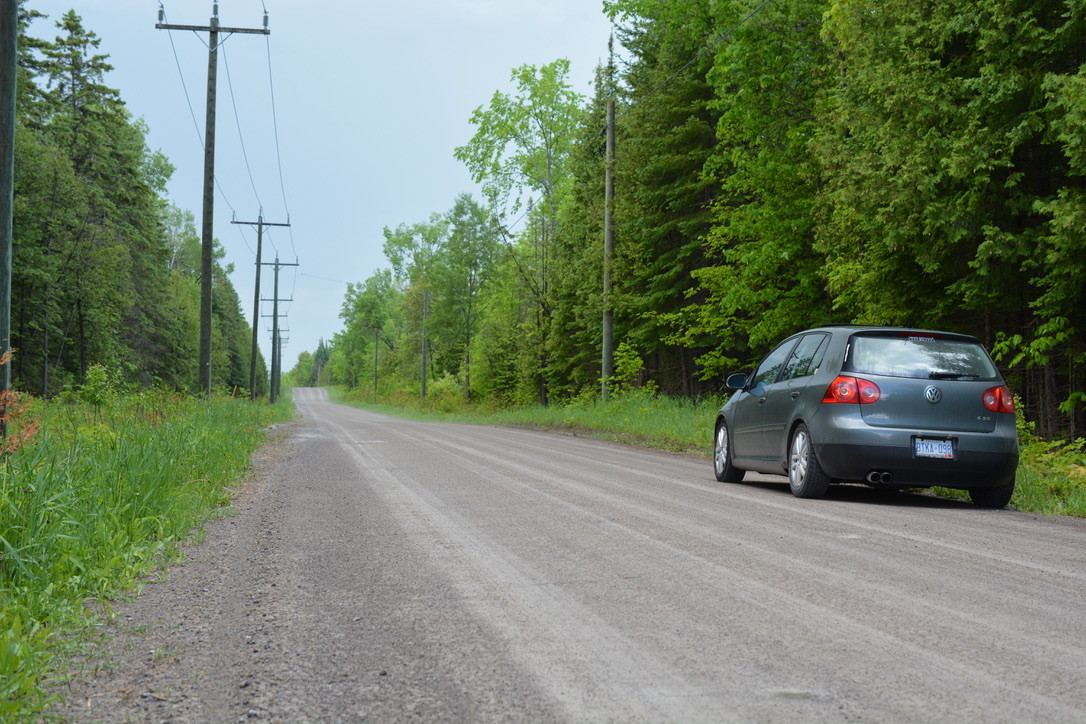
(370, 97)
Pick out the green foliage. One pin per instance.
(102, 494)
(666, 136)
(1051, 475)
(104, 270)
(369, 313)
(522, 147)
(98, 389)
(430, 300)
(522, 140)
(778, 167)
(628, 368)
(507, 343)
(764, 278)
(575, 336)
(962, 118)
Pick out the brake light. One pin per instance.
(852, 389)
(998, 399)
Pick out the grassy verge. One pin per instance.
(104, 491)
(636, 418)
(1051, 477)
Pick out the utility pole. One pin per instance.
(9, 37)
(260, 224)
(608, 250)
(277, 351)
(283, 340)
(207, 239)
(376, 341)
(425, 325)
(273, 393)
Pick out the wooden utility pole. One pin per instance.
(608, 362)
(376, 341)
(425, 324)
(277, 345)
(260, 224)
(207, 238)
(9, 37)
(277, 351)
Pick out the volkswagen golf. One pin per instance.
(884, 406)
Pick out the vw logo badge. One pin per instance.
(933, 394)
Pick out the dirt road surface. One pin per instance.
(384, 570)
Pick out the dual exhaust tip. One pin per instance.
(880, 476)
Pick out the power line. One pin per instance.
(184, 87)
(293, 288)
(275, 129)
(508, 229)
(327, 279)
(196, 125)
(271, 240)
(244, 240)
(237, 121)
(192, 113)
(210, 182)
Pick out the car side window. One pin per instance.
(806, 357)
(771, 366)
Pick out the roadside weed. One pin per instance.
(108, 488)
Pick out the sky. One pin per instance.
(343, 120)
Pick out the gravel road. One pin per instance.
(384, 570)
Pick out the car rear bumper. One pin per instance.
(982, 460)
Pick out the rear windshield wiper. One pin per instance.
(951, 376)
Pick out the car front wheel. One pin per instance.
(722, 457)
(805, 475)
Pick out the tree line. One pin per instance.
(780, 165)
(105, 269)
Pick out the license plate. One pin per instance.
(926, 448)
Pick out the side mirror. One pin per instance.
(737, 381)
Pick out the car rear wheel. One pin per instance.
(722, 457)
(805, 475)
(992, 497)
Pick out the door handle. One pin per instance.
(795, 395)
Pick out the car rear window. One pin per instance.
(920, 356)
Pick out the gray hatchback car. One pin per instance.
(885, 406)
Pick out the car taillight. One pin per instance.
(852, 389)
(998, 399)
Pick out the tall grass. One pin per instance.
(1051, 476)
(634, 417)
(104, 491)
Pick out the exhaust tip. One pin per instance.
(875, 477)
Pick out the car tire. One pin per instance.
(805, 475)
(725, 471)
(992, 497)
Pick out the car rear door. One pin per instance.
(748, 435)
(780, 399)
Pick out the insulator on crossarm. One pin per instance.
(265, 19)
(161, 14)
